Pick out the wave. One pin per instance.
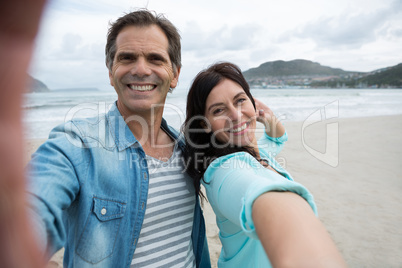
(51, 105)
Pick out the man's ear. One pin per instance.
(111, 79)
(175, 79)
(206, 127)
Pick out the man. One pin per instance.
(112, 189)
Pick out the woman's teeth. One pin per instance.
(235, 130)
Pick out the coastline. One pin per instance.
(356, 180)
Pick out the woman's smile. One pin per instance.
(240, 129)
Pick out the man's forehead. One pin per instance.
(150, 33)
(145, 38)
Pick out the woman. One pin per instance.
(264, 217)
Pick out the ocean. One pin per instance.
(43, 111)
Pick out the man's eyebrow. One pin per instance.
(125, 53)
(152, 55)
(158, 56)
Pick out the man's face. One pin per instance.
(142, 71)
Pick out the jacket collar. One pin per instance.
(124, 138)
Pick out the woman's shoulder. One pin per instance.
(229, 163)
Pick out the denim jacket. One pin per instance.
(88, 186)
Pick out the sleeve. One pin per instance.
(272, 146)
(52, 184)
(235, 182)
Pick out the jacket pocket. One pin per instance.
(97, 240)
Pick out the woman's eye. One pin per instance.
(241, 100)
(217, 111)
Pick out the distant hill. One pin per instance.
(384, 77)
(34, 85)
(292, 68)
(305, 73)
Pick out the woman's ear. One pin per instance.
(206, 126)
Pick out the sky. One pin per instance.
(354, 35)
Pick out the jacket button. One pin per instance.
(103, 211)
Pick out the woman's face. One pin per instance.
(230, 114)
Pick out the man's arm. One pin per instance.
(19, 22)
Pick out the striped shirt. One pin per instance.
(165, 238)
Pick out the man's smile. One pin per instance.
(141, 87)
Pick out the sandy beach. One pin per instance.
(355, 176)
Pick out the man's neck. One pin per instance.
(146, 128)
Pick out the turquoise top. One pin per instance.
(233, 182)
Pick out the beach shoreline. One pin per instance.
(353, 168)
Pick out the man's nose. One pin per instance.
(141, 68)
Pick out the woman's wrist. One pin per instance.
(274, 127)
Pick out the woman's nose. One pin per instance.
(235, 113)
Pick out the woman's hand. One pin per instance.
(264, 115)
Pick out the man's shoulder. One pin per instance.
(82, 126)
(81, 132)
(92, 125)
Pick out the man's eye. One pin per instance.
(156, 59)
(125, 58)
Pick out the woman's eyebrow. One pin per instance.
(221, 103)
(238, 94)
(215, 104)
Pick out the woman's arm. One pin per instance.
(291, 234)
(273, 126)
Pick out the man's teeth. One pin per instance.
(142, 88)
(235, 130)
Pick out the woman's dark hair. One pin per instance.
(200, 151)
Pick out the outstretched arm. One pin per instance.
(291, 234)
(19, 22)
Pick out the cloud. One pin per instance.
(351, 35)
(225, 38)
(95, 7)
(343, 31)
(347, 30)
(71, 43)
